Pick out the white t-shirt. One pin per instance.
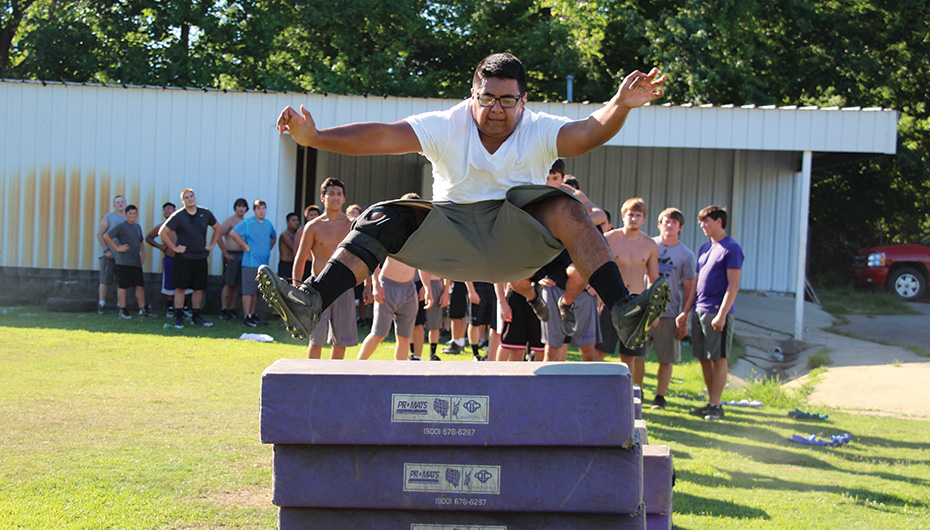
(464, 171)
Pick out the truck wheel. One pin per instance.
(907, 283)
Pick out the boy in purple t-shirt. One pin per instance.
(719, 265)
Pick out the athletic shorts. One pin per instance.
(249, 283)
(706, 342)
(458, 300)
(337, 324)
(662, 338)
(285, 269)
(482, 313)
(400, 307)
(167, 277)
(585, 314)
(523, 327)
(107, 270)
(190, 273)
(128, 276)
(232, 269)
(490, 241)
(434, 313)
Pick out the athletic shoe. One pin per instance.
(124, 314)
(224, 314)
(198, 320)
(634, 316)
(412, 357)
(714, 412)
(300, 308)
(179, 320)
(247, 321)
(144, 313)
(539, 305)
(569, 322)
(434, 357)
(101, 310)
(701, 411)
(659, 403)
(481, 357)
(483, 344)
(453, 349)
(169, 313)
(232, 314)
(188, 312)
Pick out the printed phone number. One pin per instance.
(448, 501)
(436, 431)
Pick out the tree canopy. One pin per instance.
(786, 52)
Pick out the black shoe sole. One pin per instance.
(271, 292)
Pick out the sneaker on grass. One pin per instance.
(453, 349)
(434, 357)
(179, 320)
(198, 320)
(659, 403)
(124, 314)
(714, 412)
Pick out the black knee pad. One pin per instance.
(381, 230)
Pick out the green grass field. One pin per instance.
(124, 424)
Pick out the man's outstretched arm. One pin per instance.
(369, 138)
(578, 137)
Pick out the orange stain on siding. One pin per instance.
(73, 220)
(44, 221)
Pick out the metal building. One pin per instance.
(67, 149)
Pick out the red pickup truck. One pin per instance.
(905, 269)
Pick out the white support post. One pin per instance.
(803, 183)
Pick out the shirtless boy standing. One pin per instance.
(637, 255)
(318, 241)
(232, 260)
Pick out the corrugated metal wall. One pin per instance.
(66, 150)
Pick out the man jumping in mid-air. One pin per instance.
(492, 217)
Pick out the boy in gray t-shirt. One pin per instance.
(126, 238)
(676, 263)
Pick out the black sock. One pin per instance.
(412, 350)
(608, 283)
(474, 350)
(335, 279)
(432, 348)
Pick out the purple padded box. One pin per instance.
(333, 519)
(490, 479)
(312, 401)
(654, 521)
(657, 478)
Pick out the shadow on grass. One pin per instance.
(750, 481)
(685, 503)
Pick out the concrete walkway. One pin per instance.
(863, 376)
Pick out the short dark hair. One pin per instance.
(572, 181)
(309, 209)
(259, 202)
(169, 203)
(288, 216)
(131, 207)
(500, 66)
(714, 212)
(241, 202)
(330, 182)
(558, 166)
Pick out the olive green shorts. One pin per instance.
(487, 241)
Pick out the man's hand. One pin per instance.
(503, 308)
(179, 249)
(123, 248)
(108, 254)
(719, 322)
(639, 88)
(300, 125)
(209, 247)
(681, 326)
(546, 282)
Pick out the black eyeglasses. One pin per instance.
(508, 102)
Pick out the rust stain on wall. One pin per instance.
(28, 228)
(59, 218)
(44, 221)
(14, 208)
(89, 245)
(73, 224)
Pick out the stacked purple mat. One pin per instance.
(422, 446)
